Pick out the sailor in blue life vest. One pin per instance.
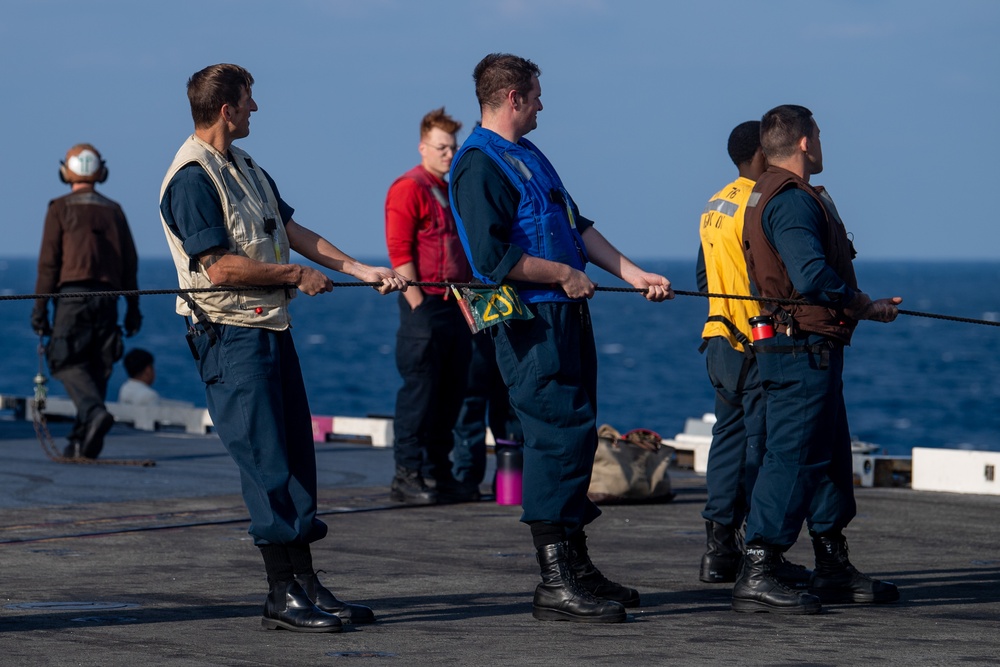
(797, 248)
(520, 227)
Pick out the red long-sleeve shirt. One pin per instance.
(420, 228)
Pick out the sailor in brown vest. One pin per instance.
(797, 248)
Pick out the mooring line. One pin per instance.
(415, 283)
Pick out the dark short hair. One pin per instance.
(744, 141)
(214, 86)
(439, 119)
(498, 73)
(782, 127)
(136, 361)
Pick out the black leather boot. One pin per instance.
(836, 580)
(590, 578)
(408, 487)
(450, 490)
(287, 607)
(758, 589)
(560, 598)
(93, 439)
(721, 562)
(792, 574)
(328, 602)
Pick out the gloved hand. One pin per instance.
(863, 308)
(40, 321)
(884, 310)
(133, 321)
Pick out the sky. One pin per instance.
(639, 99)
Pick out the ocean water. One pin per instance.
(915, 382)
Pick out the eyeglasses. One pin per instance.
(443, 148)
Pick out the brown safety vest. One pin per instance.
(767, 270)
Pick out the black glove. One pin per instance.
(40, 321)
(862, 307)
(133, 321)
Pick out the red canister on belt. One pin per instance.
(762, 327)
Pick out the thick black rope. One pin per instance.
(376, 285)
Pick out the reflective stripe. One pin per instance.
(722, 206)
(754, 198)
(442, 198)
(519, 165)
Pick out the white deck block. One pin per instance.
(376, 429)
(956, 470)
(141, 417)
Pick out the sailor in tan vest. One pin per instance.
(226, 224)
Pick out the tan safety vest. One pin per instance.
(725, 266)
(255, 230)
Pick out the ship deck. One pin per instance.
(125, 565)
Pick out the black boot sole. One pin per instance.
(275, 624)
(756, 606)
(848, 597)
(546, 614)
(399, 497)
(628, 603)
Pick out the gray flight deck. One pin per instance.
(126, 565)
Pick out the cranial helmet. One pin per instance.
(83, 164)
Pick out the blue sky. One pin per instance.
(639, 99)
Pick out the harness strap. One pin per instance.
(737, 334)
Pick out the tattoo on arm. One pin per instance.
(210, 258)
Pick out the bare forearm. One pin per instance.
(314, 247)
(574, 283)
(609, 258)
(605, 255)
(537, 270)
(225, 269)
(413, 295)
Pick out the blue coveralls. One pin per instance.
(486, 403)
(253, 385)
(740, 431)
(808, 468)
(738, 435)
(549, 363)
(807, 473)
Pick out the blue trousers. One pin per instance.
(550, 366)
(432, 355)
(807, 472)
(257, 400)
(486, 402)
(738, 435)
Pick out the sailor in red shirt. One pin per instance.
(433, 342)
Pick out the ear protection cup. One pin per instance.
(83, 164)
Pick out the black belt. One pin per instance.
(822, 349)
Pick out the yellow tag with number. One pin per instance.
(492, 305)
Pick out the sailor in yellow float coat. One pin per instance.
(738, 436)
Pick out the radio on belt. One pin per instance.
(762, 327)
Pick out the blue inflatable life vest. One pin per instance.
(546, 217)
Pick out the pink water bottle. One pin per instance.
(510, 463)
